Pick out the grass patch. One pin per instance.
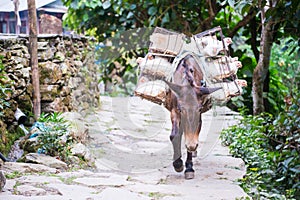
(69, 180)
(15, 187)
(13, 175)
(158, 195)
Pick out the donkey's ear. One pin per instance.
(177, 89)
(206, 90)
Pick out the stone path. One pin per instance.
(130, 141)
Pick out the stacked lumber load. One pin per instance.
(219, 68)
(209, 50)
(158, 64)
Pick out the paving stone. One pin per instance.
(118, 193)
(28, 190)
(154, 178)
(76, 192)
(38, 179)
(150, 147)
(45, 160)
(27, 168)
(101, 166)
(79, 173)
(112, 180)
(9, 186)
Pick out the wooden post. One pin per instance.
(18, 24)
(33, 58)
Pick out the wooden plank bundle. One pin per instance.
(153, 70)
(210, 51)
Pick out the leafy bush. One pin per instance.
(270, 147)
(284, 73)
(54, 137)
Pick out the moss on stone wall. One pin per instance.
(68, 78)
(68, 74)
(8, 137)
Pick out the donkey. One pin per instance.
(186, 101)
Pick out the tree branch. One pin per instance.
(253, 41)
(242, 23)
(206, 23)
(213, 10)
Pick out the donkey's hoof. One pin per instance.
(189, 172)
(189, 175)
(178, 165)
(179, 169)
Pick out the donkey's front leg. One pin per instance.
(189, 172)
(175, 138)
(177, 163)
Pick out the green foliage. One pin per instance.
(13, 175)
(284, 73)
(111, 16)
(270, 147)
(8, 138)
(284, 14)
(285, 26)
(238, 19)
(4, 88)
(52, 118)
(54, 137)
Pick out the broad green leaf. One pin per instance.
(106, 5)
(153, 21)
(74, 5)
(246, 9)
(287, 4)
(166, 18)
(101, 12)
(132, 6)
(85, 17)
(280, 179)
(94, 4)
(152, 10)
(231, 3)
(130, 15)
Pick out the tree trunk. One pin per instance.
(253, 41)
(261, 70)
(33, 58)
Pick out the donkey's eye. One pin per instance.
(191, 70)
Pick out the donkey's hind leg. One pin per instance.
(189, 172)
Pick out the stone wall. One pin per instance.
(68, 74)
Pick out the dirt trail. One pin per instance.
(130, 140)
